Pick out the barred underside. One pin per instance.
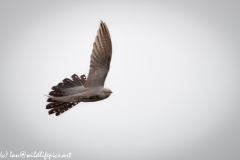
(58, 91)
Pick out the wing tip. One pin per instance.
(102, 24)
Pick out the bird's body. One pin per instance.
(84, 95)
(96, 94)
(69, 92)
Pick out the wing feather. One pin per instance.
(100, 58)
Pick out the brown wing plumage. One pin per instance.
(100, 58)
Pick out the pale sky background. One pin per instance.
(174, 76)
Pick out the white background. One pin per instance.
(174, 76)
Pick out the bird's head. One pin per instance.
(107, 91)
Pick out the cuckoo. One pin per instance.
(70, 92)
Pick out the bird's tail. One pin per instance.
(58, 91)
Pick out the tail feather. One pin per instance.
(69, 82)
(77, 80)
(56, 88)
(55, 104)
(61, 107)
(50, 100)
(56, 94)
(83, 79)
(58, 91)
(63, 85)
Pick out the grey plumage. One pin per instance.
(70, 92)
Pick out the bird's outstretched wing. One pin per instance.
(100, 58)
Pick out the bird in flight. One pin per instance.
(70, 92)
